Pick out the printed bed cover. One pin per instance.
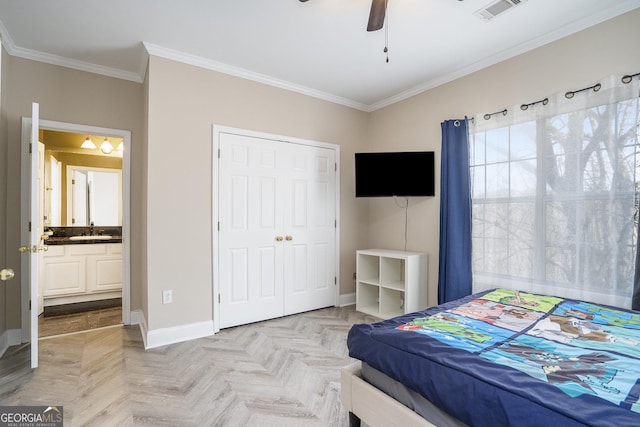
(504, 357)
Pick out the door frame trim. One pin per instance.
(215, 203)
(126, 208)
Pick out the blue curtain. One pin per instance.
(454, 275)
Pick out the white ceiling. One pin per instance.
(320, 47)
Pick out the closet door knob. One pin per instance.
(279, 238)
(289, 238)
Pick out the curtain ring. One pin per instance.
(456, 123)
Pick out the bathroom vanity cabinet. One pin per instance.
(81, 272)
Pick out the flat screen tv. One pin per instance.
(404, 174)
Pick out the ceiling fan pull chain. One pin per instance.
(386, 31)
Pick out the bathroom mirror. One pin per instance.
(94, 196)
(98, 194)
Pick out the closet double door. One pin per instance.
(277, 228)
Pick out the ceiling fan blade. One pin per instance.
(376, 17)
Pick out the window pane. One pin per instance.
(597, 268)
(478, 182)
(497, 145)
(560, 221)
(478, 255)
(497, 180)
(521, 239)
(496, 220)
(521, 258)
(478, 220)
(597, 175)
(497, 256)
(523, 178)
(523, 141)
(559, 264)
(478, 149)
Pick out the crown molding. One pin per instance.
(34, 55)
(198, 61)
(75, 65)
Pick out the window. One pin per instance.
(555, 200)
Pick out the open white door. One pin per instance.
(34, 236)
(30, 229)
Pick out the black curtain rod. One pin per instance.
(524, 107)
(627, 79)
(570, 94)
(489, 115)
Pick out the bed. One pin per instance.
(497, 358)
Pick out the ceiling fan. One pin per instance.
(377, 14)
(376, 17)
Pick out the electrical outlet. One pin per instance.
(167, 297)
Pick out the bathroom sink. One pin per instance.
(99, 237)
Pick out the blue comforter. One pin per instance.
(504, 357)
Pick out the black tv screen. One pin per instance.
(405, 174)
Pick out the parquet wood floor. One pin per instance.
(281, 372)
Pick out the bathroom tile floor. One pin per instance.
(76, 322)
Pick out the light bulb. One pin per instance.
(106, 147)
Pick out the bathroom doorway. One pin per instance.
(107, 301)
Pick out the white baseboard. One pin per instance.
(166, 336)
(347, 299)
(137, 318)
(8, 338)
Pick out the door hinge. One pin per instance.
(30, 145)
(29, 226)
(335, 223)
(73, 182)
(219, 299)
(218, 225)
(73, 220)
(29, 305)
(335, 280)
(335, 167)
(218, 153)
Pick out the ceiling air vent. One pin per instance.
(494, 9)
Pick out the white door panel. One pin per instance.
(277, 228)
(250, 258)
(309, 273)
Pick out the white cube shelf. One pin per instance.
(390, 283)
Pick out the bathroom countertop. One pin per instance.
(54, 241)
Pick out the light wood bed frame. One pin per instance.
(368, 404)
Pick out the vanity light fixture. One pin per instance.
(88, 143)
(106, 147)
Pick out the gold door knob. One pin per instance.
(279, 238)
(6, 274)
(289, 238)
(33, 249)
